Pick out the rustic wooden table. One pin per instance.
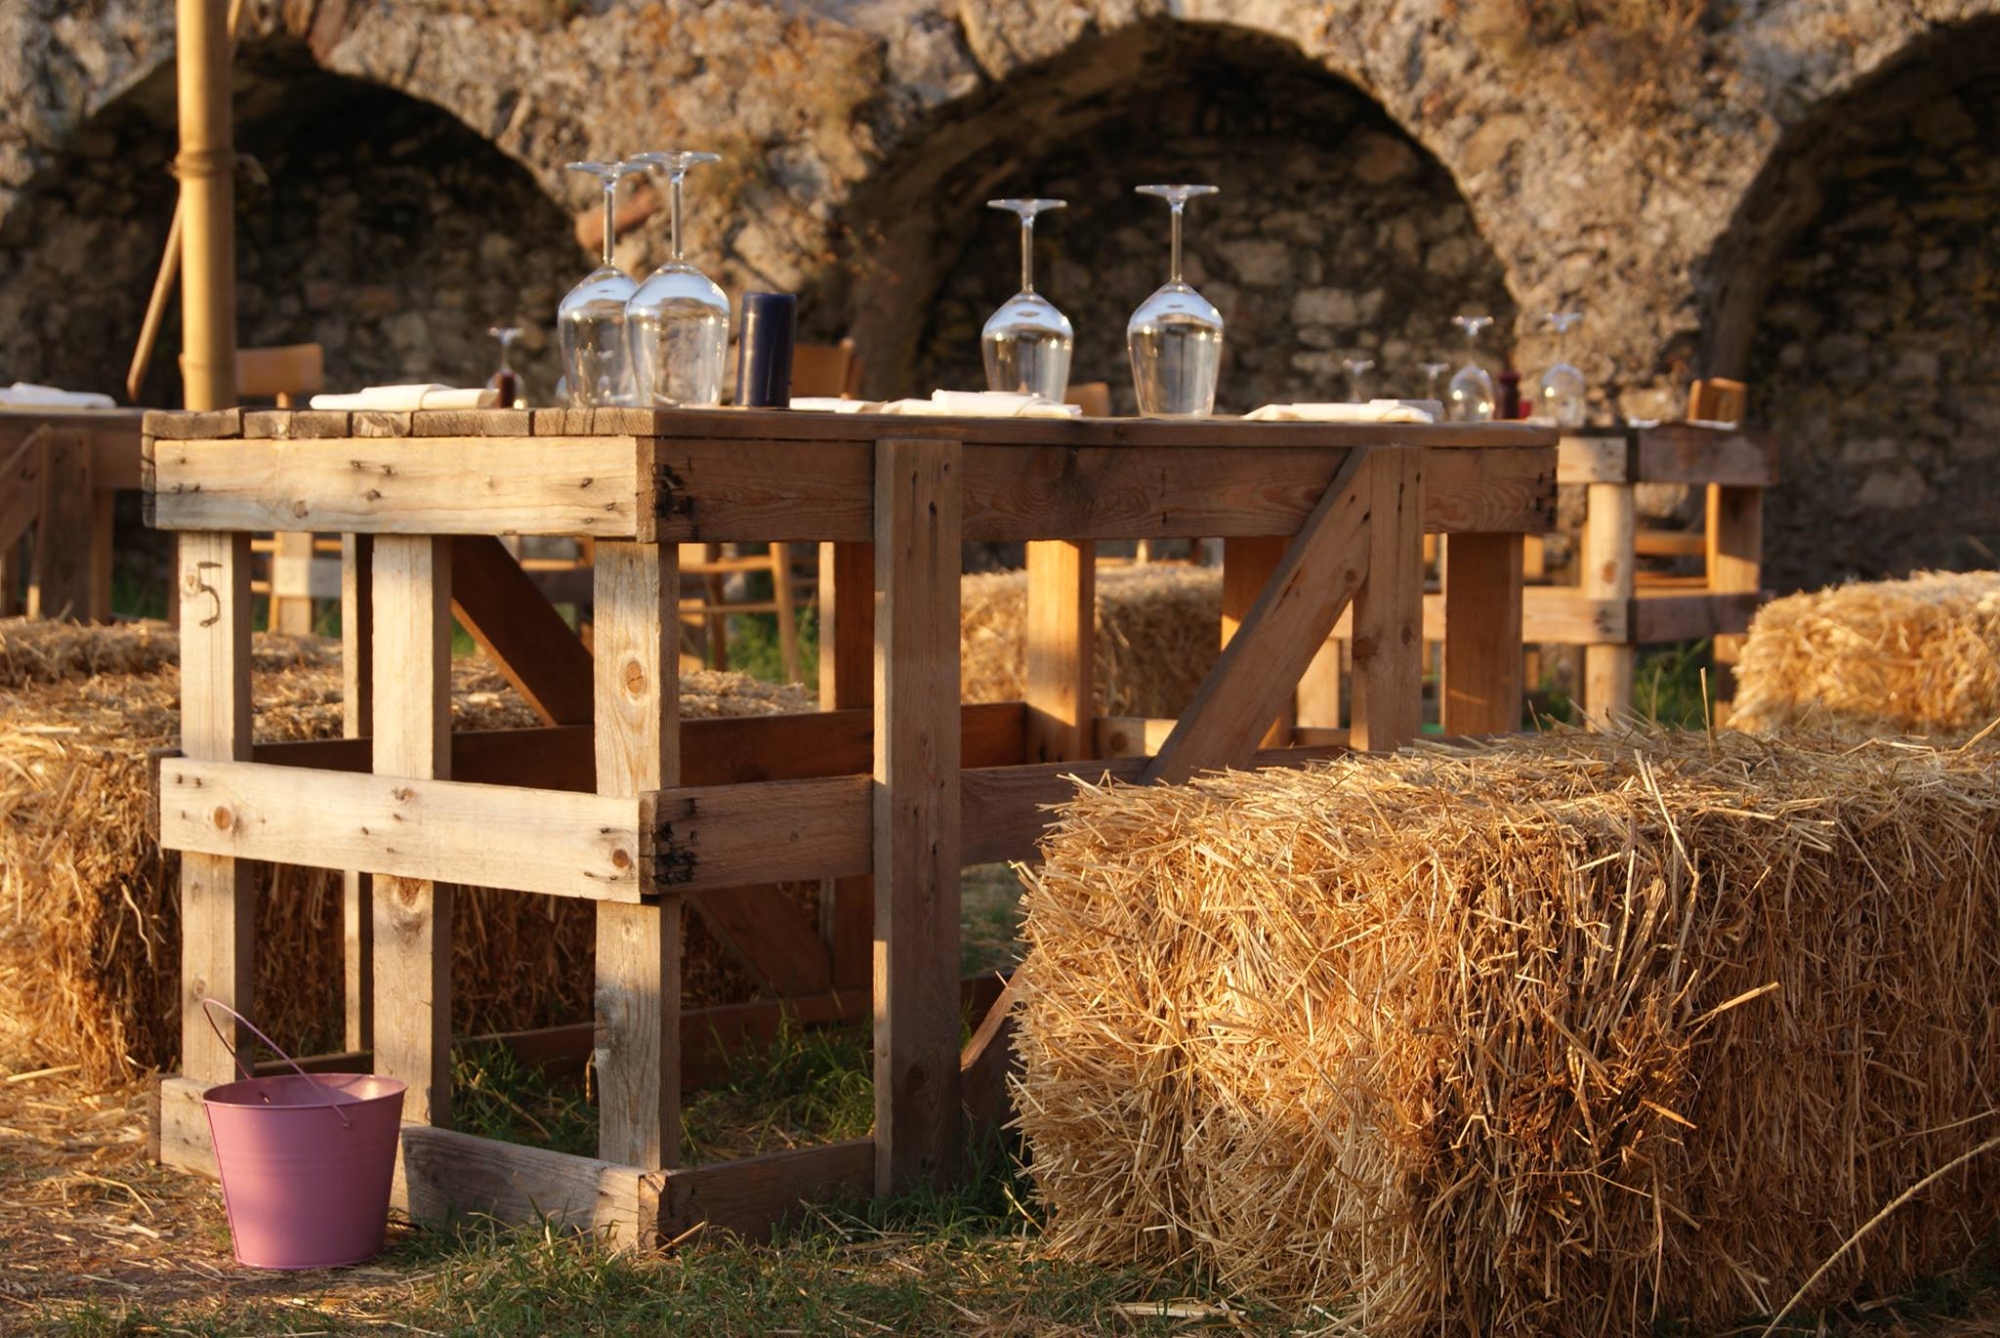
(58, 472)
(887, 792)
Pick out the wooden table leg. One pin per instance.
(1247, 565)
(847, 679)
(1389, 609)
(918, 523)
(1735, 546)
(217, 945)
(1483, 687)
(1608, 537)
(103, 511)
(412, 719)
(1061, 650)
(639, 948)
(62, 579)
(357, 671)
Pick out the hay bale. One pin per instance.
(89, 908)
(1571, 1035)
(1920, 656)
(1158, 634)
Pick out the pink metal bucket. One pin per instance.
(306, 1162)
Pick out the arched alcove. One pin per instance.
(372, 222)
(1334, 232)
(1859, 296)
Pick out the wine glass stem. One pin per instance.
(1175, 275)
(674, 211)
(1027, 253)
(610, 218)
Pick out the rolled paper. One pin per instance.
(764, 360)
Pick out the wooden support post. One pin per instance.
(412, 719)
(357, 672)
(786, 615)
(291, 607)
(1608, 529)
(1483, 686)
(1247, 565)
(510, 619)
(638, 1048)
(103, 552)
(847, 680)
(1062, 598)
(918, 524)
(207, 169)
(217, 949)
(1317, 703)
(1735, 544)
(62, 584)
(1389, 609)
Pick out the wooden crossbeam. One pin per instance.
(507, 615)
(1260, 668)
(729, 836)
(20, 489)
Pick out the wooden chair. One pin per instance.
(1717, 400)
(288, 375)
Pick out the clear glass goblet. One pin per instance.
(677, 323)
(1560, 392)
(1471, 389)
(1432, 371)
(590, 322)
(1027, 342)
(1175, 337)
(1357, 378)
(505, 379)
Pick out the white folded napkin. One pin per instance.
(1375, 411)
(1712, 424)
(984, 404)
(27, 395)
(831, 404)
(397, 398)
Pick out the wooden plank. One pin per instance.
(357, 723)
(1607, 456)
(103, 531)
(1607, 575)
(411, 590)
(1664, 617)
(757, 491)
(547, 841)
(217, 898)
(59, 583)
(1483, 688)
(535, 649)
(771, 937)
(1125, 736)
(735, 835)
(750, 1196)
(1247, 567)
(847, 684)
(640, 948)
(291, 584)
(1683, 453)
(115, 453)
(20, 490)
(1388, 644)
(297, 424)
(988, 1062)
(1735, 543)
(203, 425)
(1260, 667)
(443, 1177)
(452, 485)
(1060, 628)
(495, 422)
(918, 506)
(381, 423)
(180, 1135)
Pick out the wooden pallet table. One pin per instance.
(59, 470)
(886, 793)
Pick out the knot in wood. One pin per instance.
(222, 818)
(635, 677)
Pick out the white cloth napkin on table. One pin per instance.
(401, 398)
(26, 395)
(984, 404)
(832, 404)
(1375, 411)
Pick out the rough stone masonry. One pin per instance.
(1798, 192)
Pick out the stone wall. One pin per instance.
(1878, 353)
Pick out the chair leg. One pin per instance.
(781, 595)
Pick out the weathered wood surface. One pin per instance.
(533, 647)
(734, 835)
(1389, 607)
(1483, 673)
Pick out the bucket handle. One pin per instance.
(207, 1005)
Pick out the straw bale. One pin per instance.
(1918, 656)
(1569, 1035)
(89, 909)
(1158, 634)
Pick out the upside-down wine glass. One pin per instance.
(1471, 388)
(505, 379)
(1027, 342)
(1175, 337)
(1560, 392)
(1357, 372)
(590, 323)
(678, 321)
(1432, 371)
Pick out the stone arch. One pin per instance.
(1335, 231)
(1856, 292)
(375, 223)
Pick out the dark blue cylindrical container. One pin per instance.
(764, 360)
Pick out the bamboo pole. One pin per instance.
(206, 166)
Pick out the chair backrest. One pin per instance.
(287, 373)
(1093, 397)
(826, 369)
(1717, 400)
